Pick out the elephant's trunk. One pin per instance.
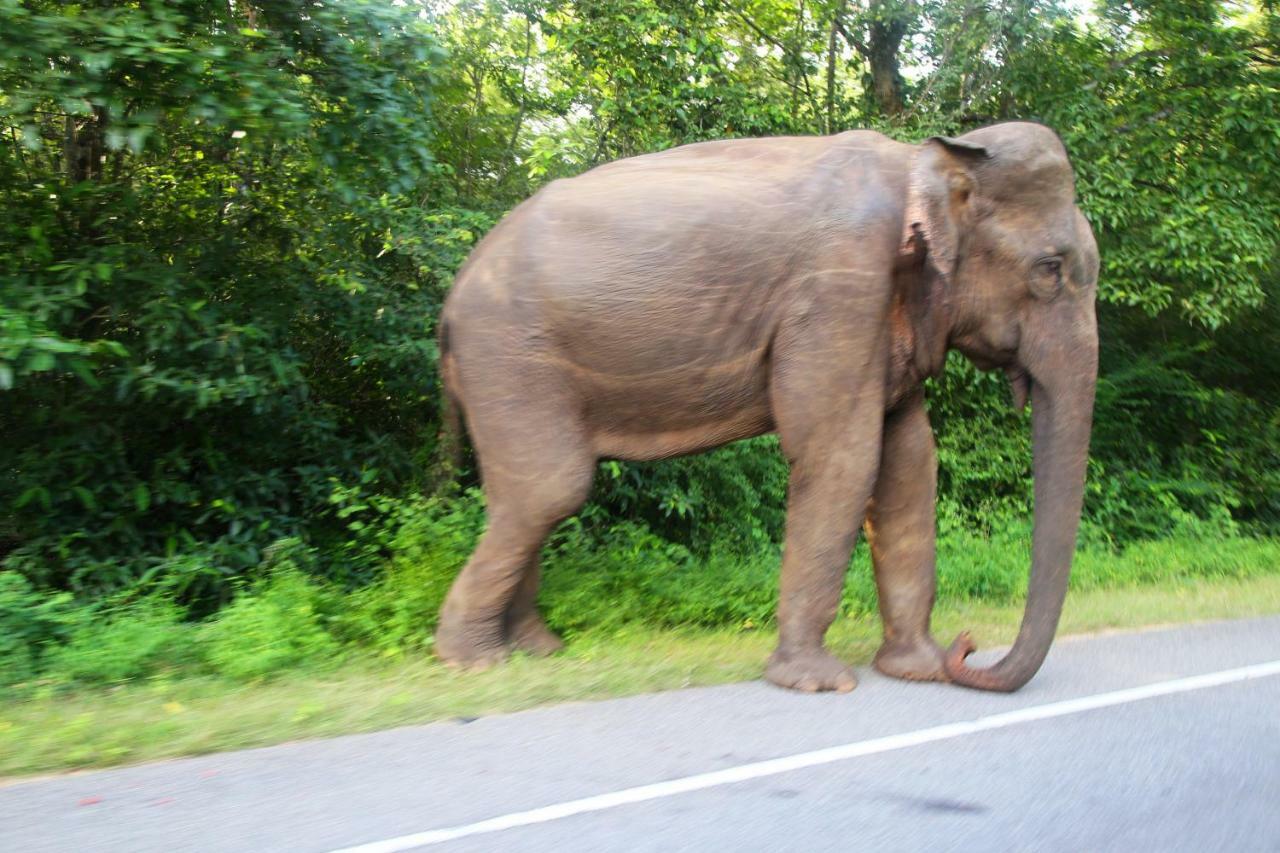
(1062, 413)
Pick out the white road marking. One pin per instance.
(774, 766)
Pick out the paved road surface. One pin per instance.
(1189, 760)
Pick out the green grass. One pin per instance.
(163, 718)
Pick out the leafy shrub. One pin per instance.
(433, 539)
(122, 644)
(1176, 559)
(989, 568)
(731, 499)
(283, 623)
(632, 577)
(31, 621)
(984, 448)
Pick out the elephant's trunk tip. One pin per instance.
(966, 676)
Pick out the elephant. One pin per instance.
(670, 303)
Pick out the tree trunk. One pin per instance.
(83, 146)
(887, 28)
(832, 44)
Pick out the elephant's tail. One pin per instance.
(449, 443)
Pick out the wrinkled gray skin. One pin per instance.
(670, 303)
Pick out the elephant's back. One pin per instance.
(652, 264)
(686, 212)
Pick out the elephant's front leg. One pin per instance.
(900, 530)
(828, 491)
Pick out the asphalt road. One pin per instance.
(1160, 740)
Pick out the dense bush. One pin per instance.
(114, 645)
(31, 621)
(282, 624)
(209, 321)
(428, 547)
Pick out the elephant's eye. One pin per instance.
(1047, 279)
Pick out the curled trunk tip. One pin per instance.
(966, 676)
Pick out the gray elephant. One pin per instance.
(673, 302)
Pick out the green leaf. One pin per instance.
(40, 362)
(86, 497)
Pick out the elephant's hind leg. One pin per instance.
(900, 530)
(536, 472)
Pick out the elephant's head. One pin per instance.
(1016, 268)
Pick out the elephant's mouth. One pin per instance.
(1020, 385)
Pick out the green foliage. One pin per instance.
(732, 498)
(622, 579)
(283, 623)
(630, 576)
(1190, 554)
(122, 644)
(30, 622)
(984, 449)
(429, 545)
(204, 302)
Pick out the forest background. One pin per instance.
(229, 226)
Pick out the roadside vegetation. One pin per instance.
(229, 228)
(192, 711)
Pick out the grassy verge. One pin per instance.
(165, 718)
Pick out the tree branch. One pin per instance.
(760, 31)
(857, 43)
(1162, 187)
(524, 91)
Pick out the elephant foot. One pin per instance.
(810, 672)
(469, 645)
(920, 660)
(532, 635)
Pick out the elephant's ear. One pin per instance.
(938, 206)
